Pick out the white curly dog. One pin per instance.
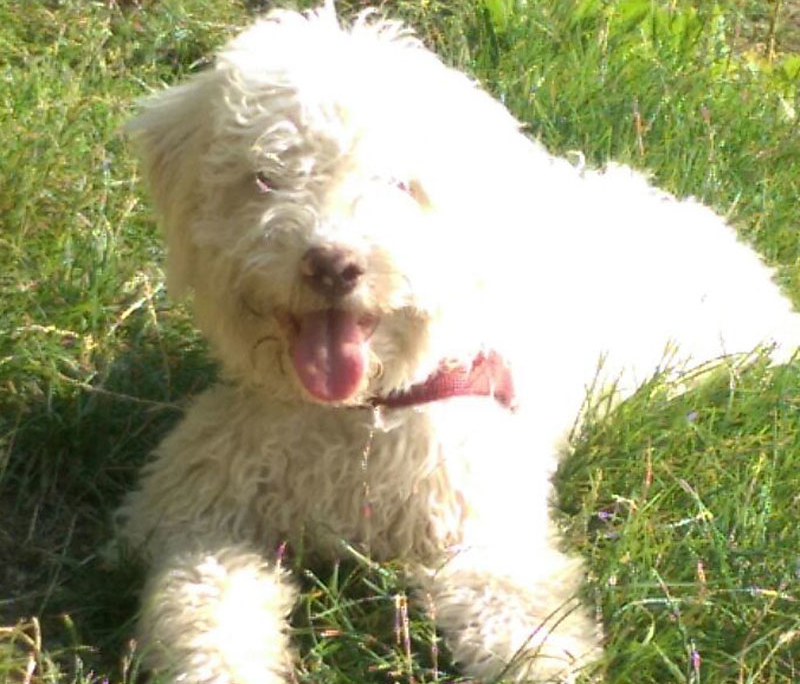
(409, 299)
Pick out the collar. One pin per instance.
(488, 376)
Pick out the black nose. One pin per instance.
(332, 270)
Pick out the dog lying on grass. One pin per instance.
(409, 299)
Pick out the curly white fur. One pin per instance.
(468, 237)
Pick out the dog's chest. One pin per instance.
(405, 486)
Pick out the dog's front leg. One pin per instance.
(218, 614)
(503, 617)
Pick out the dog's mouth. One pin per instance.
(329, 351)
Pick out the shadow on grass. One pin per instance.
(70, 456)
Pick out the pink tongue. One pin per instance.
(329, 354)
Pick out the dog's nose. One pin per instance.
(332, 270)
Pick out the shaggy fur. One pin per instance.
(459, 236)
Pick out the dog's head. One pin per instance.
(334, 200)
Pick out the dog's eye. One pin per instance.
(415, 189)
(412, 187)
(263, 183)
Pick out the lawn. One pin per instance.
(684, 507)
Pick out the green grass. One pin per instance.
(687, 510)
(684, 507)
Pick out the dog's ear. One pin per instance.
(171, 134)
